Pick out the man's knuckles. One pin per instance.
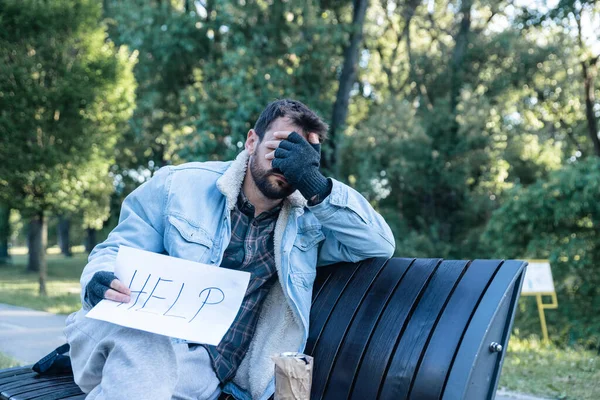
(119, 286)
(112, 294)
(313, 138)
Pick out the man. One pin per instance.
(269, 212)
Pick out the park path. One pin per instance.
(27, 335)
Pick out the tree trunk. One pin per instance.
(64, 240)
(347, 79)
(34, 240)
(458, 55)
(37, 239)
(445, 198)
(589, 73)
(90, 240)
(4, 234)
(589, 69)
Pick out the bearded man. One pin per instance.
(270, 212)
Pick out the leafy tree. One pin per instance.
(432, 150)
(207, 71)
(578, 20)
(557, 218)
(65, 96)
(170, 40)
(260, 53)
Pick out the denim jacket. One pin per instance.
(184, 211)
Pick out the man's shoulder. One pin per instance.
(194, 182)
(199, 168)
(193, 176)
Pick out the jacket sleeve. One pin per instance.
(141, 225)
(353, 230)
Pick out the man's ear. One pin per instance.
(252, 141)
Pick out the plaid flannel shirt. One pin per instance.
(251, 249)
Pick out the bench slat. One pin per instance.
(431, 376)
(340, 319)
(323, 275)
(12, 378)
(41, 388)
(390, 327)
(5, 373)
(353, 346)
(475, 370)
(323, 304)
(54, 392)
(38, 380)
(409, 350)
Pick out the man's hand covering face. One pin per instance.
(299, 162)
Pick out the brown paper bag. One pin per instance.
(293, 376)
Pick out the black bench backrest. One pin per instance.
(411, 328)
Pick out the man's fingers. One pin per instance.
(270, 156)
(281, 152)
(118, 292)
(286, 144)
(313, 138)
(118, 286)
(286, 135)
(282, 134)
(272, 144)
(116, 296)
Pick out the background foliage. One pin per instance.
(472, 125)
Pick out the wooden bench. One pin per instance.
(385, 329)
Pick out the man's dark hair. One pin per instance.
(298, 113)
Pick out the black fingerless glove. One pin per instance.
(97, 287)
(299, 161)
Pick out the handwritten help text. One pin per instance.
(175, 297)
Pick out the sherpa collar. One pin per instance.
(279, 328)
(230, 183)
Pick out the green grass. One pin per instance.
(20, 288)
(7, 362)
(546, 370)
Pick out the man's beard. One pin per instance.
(271, 190)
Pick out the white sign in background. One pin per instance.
(175, 297)
(538, 278)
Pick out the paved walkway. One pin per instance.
(27, 335)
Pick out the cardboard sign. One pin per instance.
(538, 278)
(175, 297)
